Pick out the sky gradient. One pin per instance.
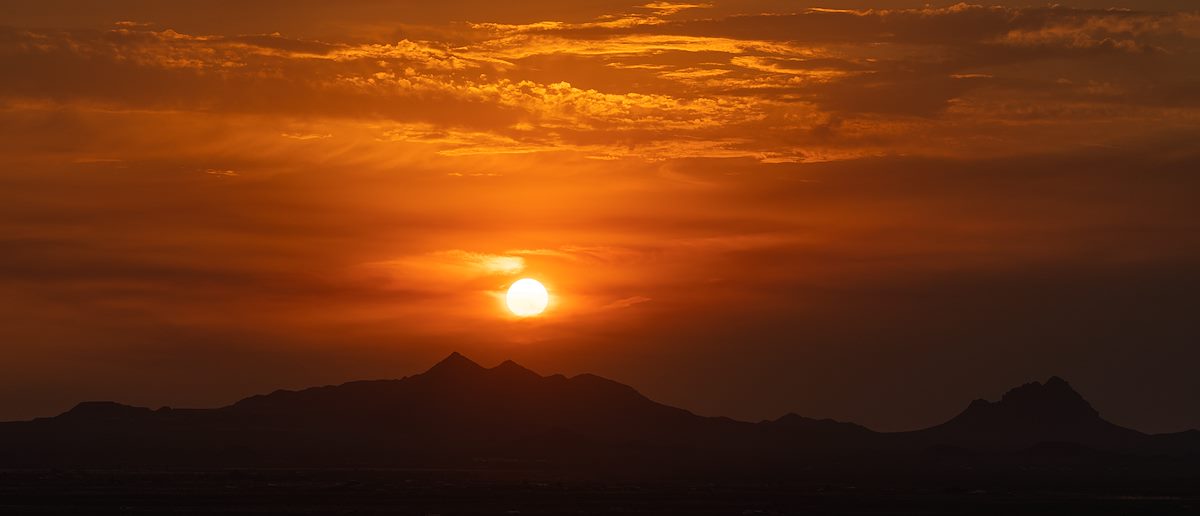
(871, 211)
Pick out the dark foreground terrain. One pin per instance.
(408, 492)
(374, 491)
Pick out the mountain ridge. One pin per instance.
(458, 409)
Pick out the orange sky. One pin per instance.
(872, 211)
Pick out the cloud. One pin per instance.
(442, 269)
(655, 82)
(95, 160)
(306, 136)
(487, 263)
(670, 8)
(627, 302)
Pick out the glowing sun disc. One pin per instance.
(527, 297)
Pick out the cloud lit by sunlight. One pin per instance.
(711, 180)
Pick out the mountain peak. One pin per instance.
(454, 364)
(1033, 413)
(1055, 397)
(513, 368)
(1053, 403)
(103, 410)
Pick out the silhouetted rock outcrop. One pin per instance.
(1028, 415)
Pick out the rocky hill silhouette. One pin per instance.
(460, 413)
(1031, 414)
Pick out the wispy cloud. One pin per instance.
(670, 8)
(306, 136)
(627, 302)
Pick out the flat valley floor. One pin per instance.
(455, 492)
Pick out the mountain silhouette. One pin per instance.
(461, 413)
(1031, 414)
(474, 406)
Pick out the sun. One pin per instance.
(527, 297)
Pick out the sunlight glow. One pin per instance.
(527, 297)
